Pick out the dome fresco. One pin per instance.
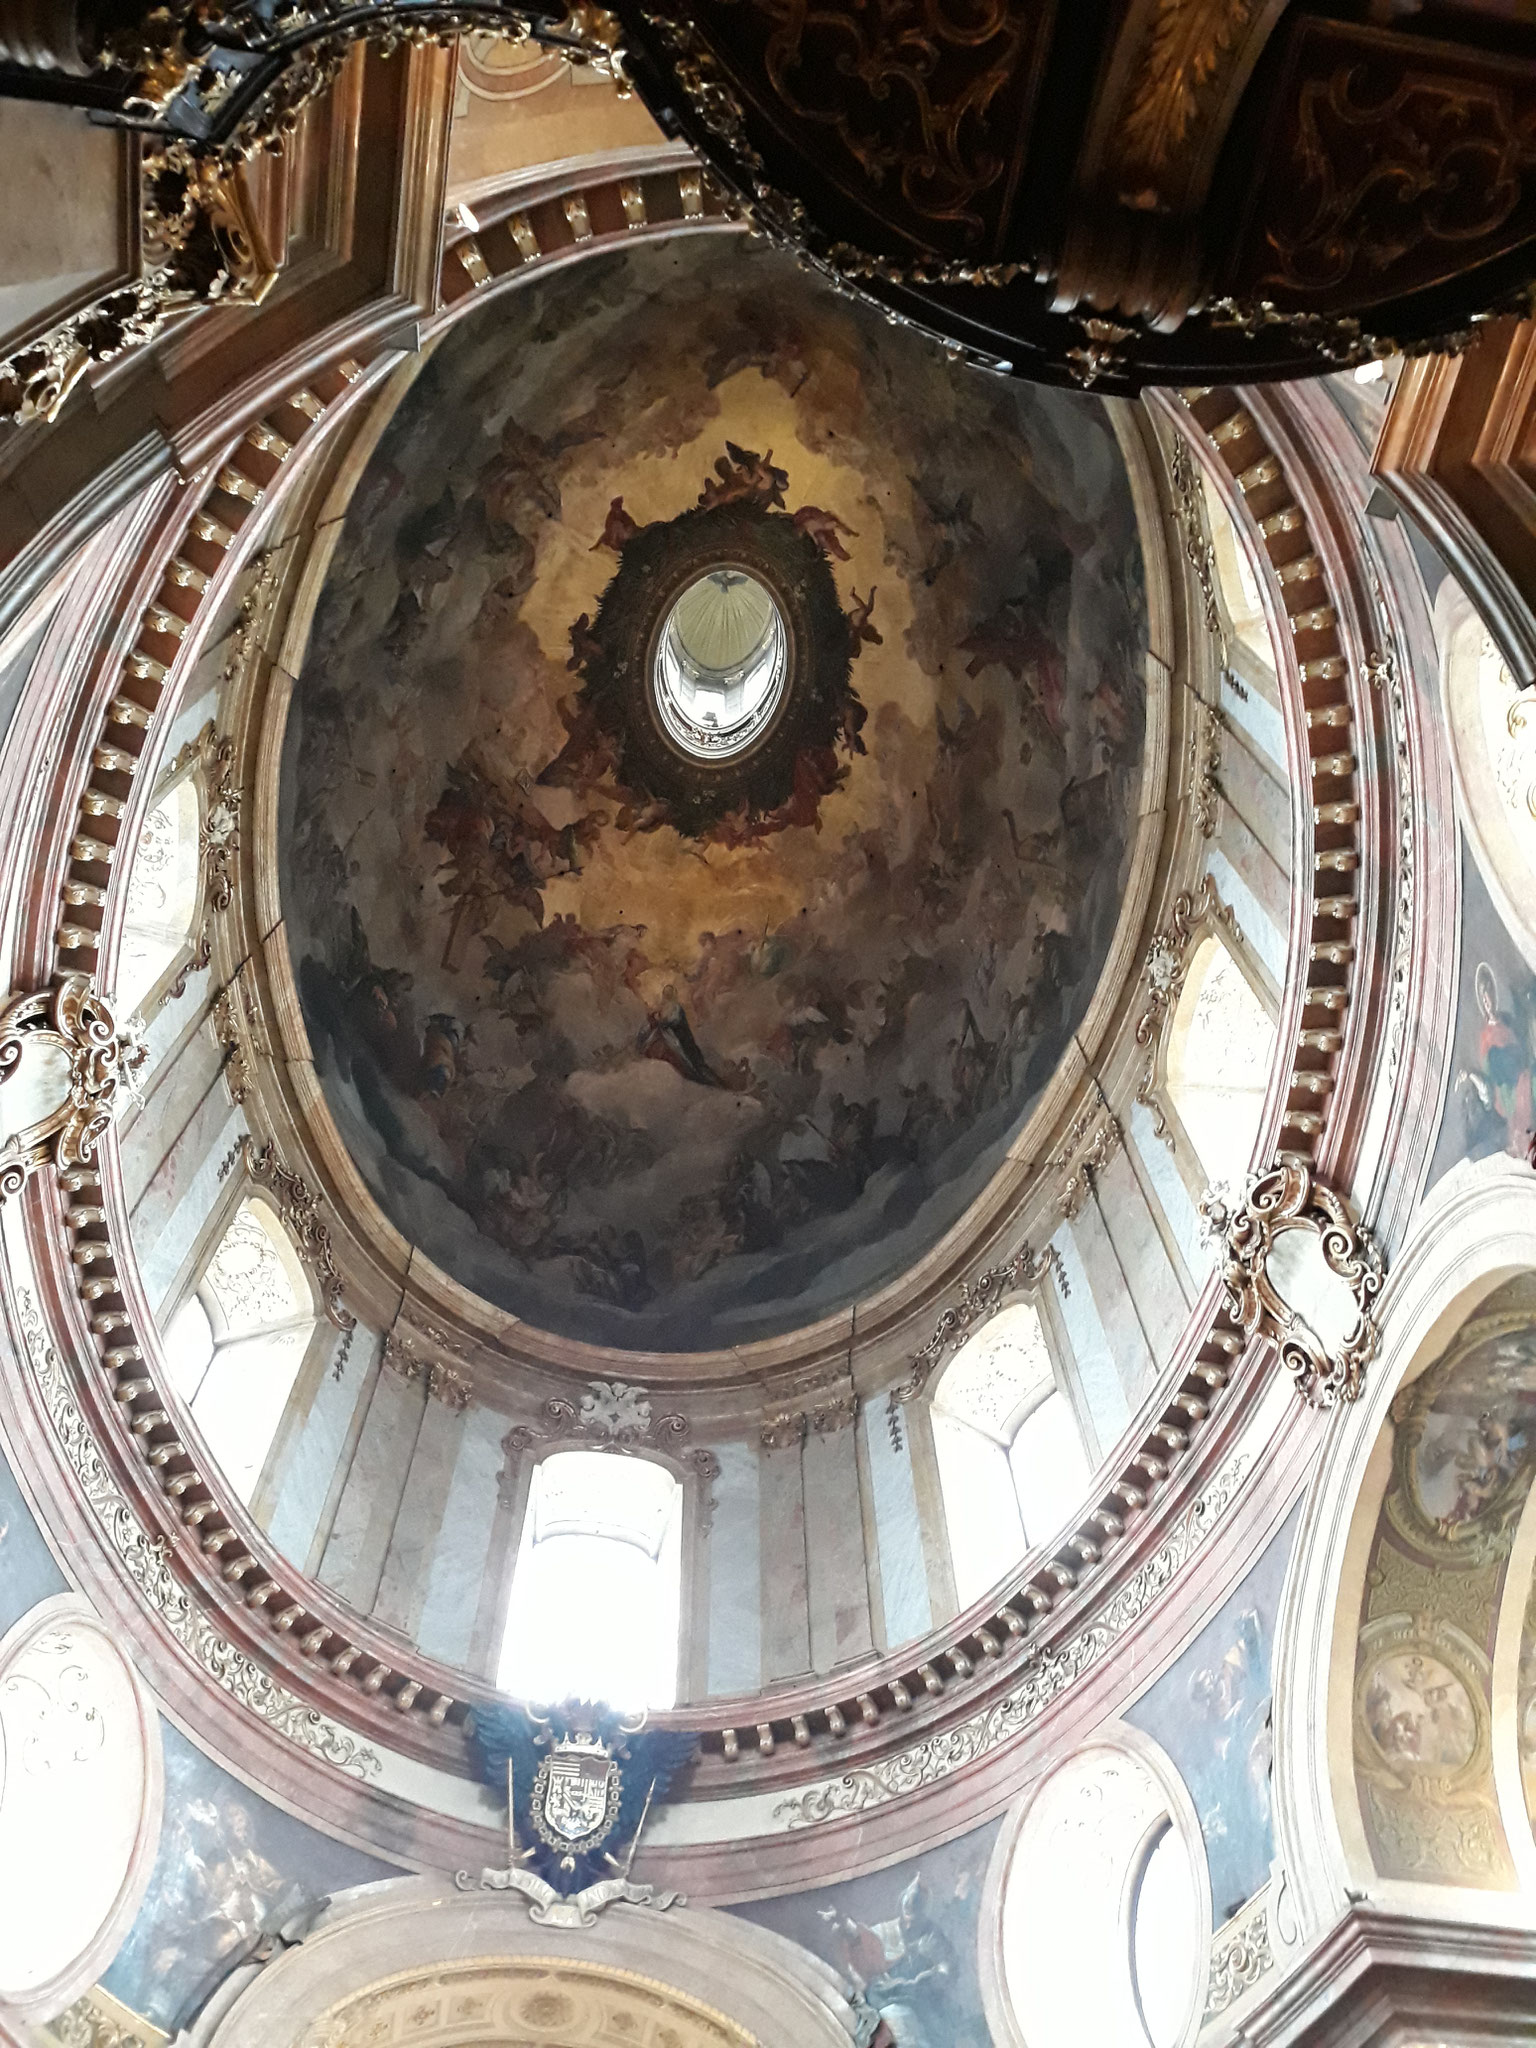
(655, 1049)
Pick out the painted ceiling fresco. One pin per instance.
(673, 1073)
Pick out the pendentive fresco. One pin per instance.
(1211, 1712)
(1464, 1455)
(647, 1057)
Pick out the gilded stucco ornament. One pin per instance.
(1299, 1270)
(615, 1416)
(97, 1069)
(299, 1207)
(201, 246)
(1046, 1675)
(1240, 1956)
(978, 1301)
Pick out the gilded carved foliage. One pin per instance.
(299, 1208)
(1192, 47)
(921, 100)
(1283, 1200)
(1398, 163)
(202, 246)
(416, 1356)
(99, 1069)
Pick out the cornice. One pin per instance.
(1381, 1979)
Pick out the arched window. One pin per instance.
(1492, 725)
(1220, 1045)
(1100, 1868)
(162, 896)
(596, 1603)
(1011, 1460)
(235, 1345)
(1237, 585)
(1509, 733)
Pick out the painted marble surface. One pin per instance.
(641, 1079)
(1210, 1711)
(1491, 1104)
(28, 1572)
(904, 1943)
(229, 1865)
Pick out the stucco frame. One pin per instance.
(1120, 1737)
(82, 1970)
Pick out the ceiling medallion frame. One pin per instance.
(747, 792)
(673, 666)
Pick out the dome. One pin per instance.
(708, 793)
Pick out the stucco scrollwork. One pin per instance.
(1298, 1269)
(615, 1416)
(1165, 970)
(1090, 1144)
(413, 1356)
(978, 1301)
(1198, 551)
(145, 1558)
(1240, 1955)
(97, 1066)
(299, 1207)
(85, 2025)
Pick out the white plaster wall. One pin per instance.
(1257, 717)
(735, 1651)
(1255, 923)
(181, 1195)
(353, 1564)
(903, 1571)
(1093, 1359)
(459, 1560)
(1154, 1287)
(305, 1481)
(1173, 1196)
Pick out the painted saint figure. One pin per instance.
(1501, 1087)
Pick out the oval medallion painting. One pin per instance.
(708, 793)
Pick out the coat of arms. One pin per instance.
(579, 1783)
(576, 1794)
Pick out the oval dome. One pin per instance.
(667, 1048)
